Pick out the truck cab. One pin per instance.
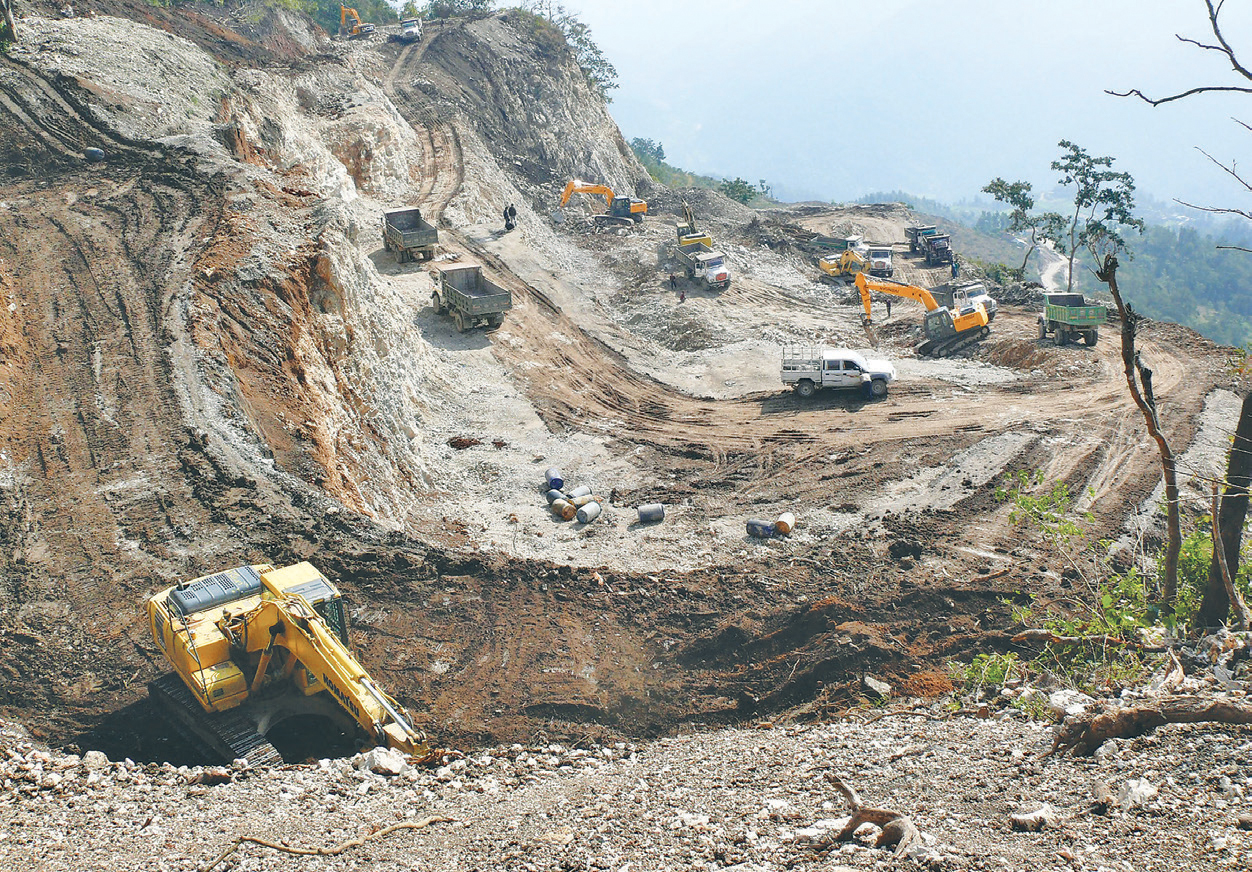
(411, 29)
(879, 258)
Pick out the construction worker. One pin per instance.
(510, 217)
(956, 267)
(888, 308)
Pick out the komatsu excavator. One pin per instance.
(947, 330)
(622, 210)
(255, 645)
(846, 265)
(687, 232)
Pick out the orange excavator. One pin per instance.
(350, 23)
(622, 210)
(947, 330)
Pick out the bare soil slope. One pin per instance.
(207, 359)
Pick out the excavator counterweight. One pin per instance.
(255, 645)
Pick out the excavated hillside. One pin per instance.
(208, 359)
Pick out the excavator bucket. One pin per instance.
(871, 334)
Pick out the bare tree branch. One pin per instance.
(1215, 209)
(1229, 170)
(1222, 47)
(1135, 92)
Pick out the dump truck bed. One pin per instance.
(467, 289)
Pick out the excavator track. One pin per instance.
(950, 346)
(228, 735)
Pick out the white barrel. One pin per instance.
(651, 513)
(785, 523)
(588, 513)
(581, 491)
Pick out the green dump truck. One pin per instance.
(1066, 317)
(470, 297)
(408, 235)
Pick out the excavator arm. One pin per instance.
(289, 623)
(577, 187)
(865, 284)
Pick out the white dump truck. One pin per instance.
(808, 369)
(704, 264)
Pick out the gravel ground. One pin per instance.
(744, 799)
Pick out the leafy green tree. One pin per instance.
(738, 189)
(599, 73)
(1039, 227)
(409, 10)
(1104, 204)
(458, 8)
(648, 148)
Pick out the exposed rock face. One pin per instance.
(530, 104)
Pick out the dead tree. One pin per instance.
(1228, 517)
(898, 830)
(8, 29)
(1139, 381)
(1083, 734)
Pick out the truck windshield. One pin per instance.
(716, 263)
(880, 253)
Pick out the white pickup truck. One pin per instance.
(808, 369)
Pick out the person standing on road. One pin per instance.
(956, 267)
(888, 308)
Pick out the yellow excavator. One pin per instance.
(254, 646)
(622, 210)
(848, 263)
(687, 232)
(350, 24)
(947, 330)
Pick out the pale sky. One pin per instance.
(836, 99)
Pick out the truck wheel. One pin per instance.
(805, 388)
(436, 304)
(878, 388)
(1091, 337)
(496, 319)
(459, 321)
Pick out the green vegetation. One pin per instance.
(1182, 276)
(456, 9)
(543, 16)
(652, 156)
(738, 190)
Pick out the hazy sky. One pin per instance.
(836, 99)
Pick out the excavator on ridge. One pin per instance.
(350, 24)
(256, 645)
(947, 330)
(622, 210)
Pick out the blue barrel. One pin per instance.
(581, 491)
(651, 513)
(554, 495)
(588, 513)
(760, 529)
(554, 478)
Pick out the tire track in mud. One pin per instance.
(442, 168)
